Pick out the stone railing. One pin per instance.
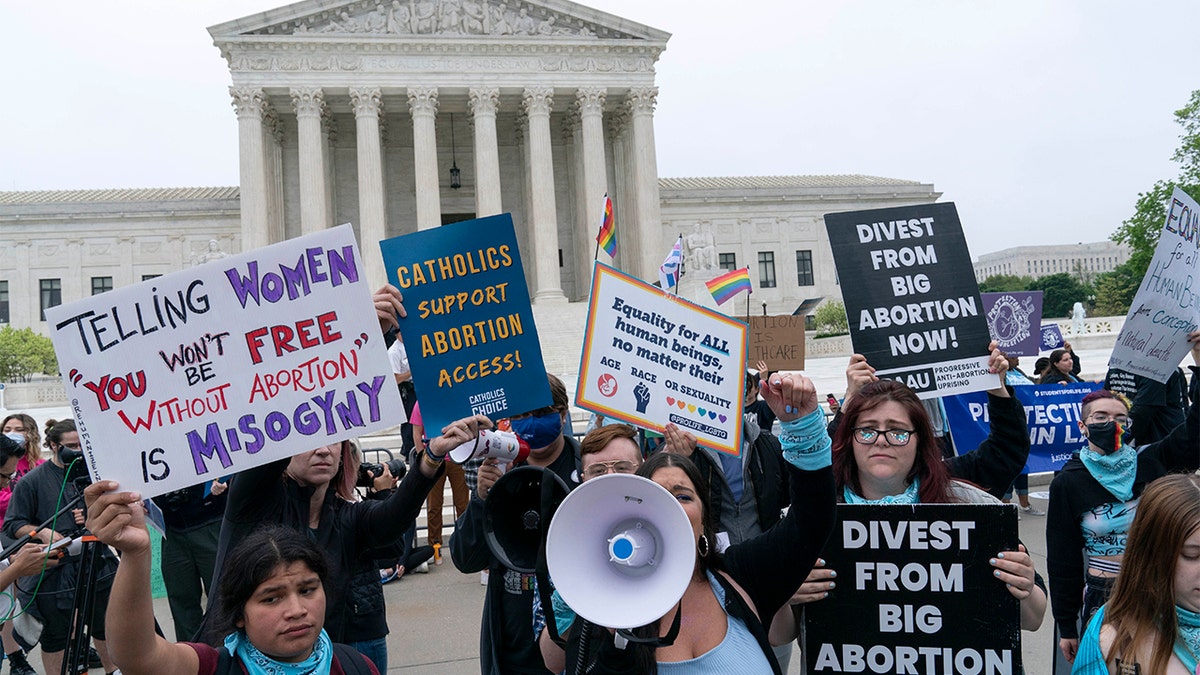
(45, 392)
(1098, 332)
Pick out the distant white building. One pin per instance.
(1087, 260)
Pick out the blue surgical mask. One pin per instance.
(16, 436)
(538, 431)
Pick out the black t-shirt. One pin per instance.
(762, 411)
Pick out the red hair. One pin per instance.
(927, 465)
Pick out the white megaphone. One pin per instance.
(504, 445)
(620, 551)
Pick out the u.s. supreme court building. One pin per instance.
(406, 115)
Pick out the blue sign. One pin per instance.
(1052, 337)
(1051, 414)
(470, 334)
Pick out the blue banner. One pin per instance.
(1051, 414)
(470, 334)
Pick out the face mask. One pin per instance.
(1106, 436)
(18, 437)
(538, 431)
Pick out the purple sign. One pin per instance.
(1013, 318)
(1051, 337)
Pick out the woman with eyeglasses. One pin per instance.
(885, 452)
(1094, 498)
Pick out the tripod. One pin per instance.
(75, 656)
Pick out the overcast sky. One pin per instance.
(1041, 119)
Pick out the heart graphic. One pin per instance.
(702, 412)
(670, 400)
(681, 404)
(691, 408)
(712, 414)
(723, 418)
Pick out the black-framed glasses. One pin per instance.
(897, 437)
(601, 468)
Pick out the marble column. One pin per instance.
(645, 182)
(484, 102)
(309, 103)
(595, 173)
(368, 104)
(249, 103)
(629, 246)
(423, 103)
(543, 214)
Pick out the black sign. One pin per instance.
(910, 295)
(916, 593)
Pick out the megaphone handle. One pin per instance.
(624, 636)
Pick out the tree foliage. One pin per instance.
(24, 353)
(1005, 283)
(1142, 229)
(1060, 292)
(1115, 290)
(830, 318)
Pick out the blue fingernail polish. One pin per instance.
(992, 561)
(997, 573)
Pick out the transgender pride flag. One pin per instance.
(730, 284)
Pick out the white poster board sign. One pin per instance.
(235, 363)
(650, 358)
(1167, 305)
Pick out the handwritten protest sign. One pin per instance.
(1013, 319)
(208, 371)
(470, 334)
(1052, 337)
(1167, 306)
(915, 593)
(914, 306)
(778, 340)
(651, 358)
(1051, 415)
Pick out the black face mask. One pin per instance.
(1106, 436)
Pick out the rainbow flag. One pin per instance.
(607, 239)
(730, 284)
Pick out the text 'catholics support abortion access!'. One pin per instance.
(470, 333)
(219, 368)
(915, 592)
(913, 307)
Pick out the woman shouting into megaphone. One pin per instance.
(719, 625)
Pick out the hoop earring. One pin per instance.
(702, 546)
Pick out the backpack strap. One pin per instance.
(350, 659)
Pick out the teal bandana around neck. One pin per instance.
(911, 495)
(1114, 471)
(1187, 643)
(258, 663)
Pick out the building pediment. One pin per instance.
(508, 20)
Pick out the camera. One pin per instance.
(369, 471)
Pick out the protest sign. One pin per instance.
(470, 335)
(915, 592)
(1013, 320)
(1051, 415)
(777, 340)
(215, 369)
(1052, 337)
(914, 306)
(650, 358)
(1166, 308)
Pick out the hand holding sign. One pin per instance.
(389, 304)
